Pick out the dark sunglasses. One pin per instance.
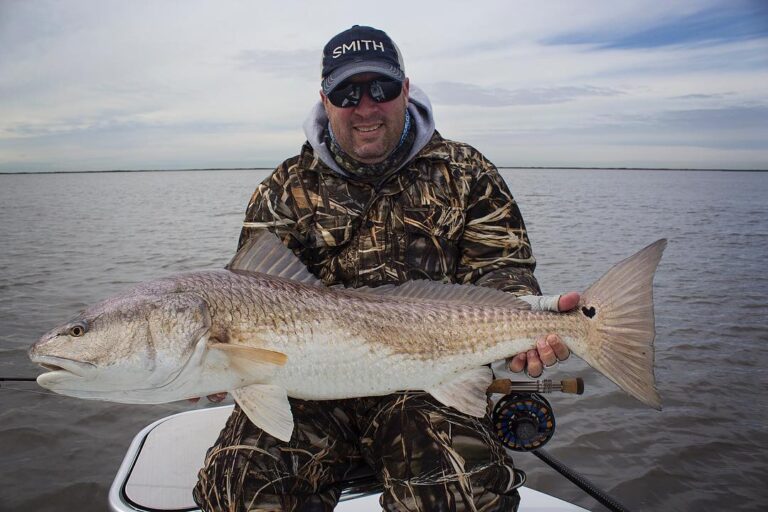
(349, 94)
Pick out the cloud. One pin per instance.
(718, 96)
(727, 22)
(455, 93)
(111, 124)
(144, 84)
(741, 127)
(748, 117)
(301, 62)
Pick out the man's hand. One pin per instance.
(550, 348)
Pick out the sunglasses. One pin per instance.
(349, 94)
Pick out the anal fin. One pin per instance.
(268, 408)
(466, 392)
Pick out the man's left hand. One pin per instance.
(550, 348)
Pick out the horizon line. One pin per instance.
(544, 167)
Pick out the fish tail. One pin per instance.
(621, 324)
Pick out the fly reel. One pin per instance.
(523, 418)
(524, 421)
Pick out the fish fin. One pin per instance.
(223, 366)
(466, 392)
(435, 291)
(267, 406)
(253, 354)
(263, 252)
(619, 307)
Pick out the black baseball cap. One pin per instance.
(360, 49)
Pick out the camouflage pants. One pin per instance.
(427, 456)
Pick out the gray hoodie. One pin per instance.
(421, 116)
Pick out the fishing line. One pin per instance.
(28, 391)
(22, 379)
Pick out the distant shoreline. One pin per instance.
(143, 170)
(575, 168)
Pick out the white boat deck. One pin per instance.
(160, 469)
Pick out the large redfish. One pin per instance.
(265, 329)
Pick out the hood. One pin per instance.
(421, 115)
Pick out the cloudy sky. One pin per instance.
(101, 84)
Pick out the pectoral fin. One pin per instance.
(248, 361)
(224, 366)
(268, 408)
(253, 354)
(466, 392)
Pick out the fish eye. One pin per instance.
(77, 330)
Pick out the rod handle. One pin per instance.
(500, 386)
(573, 386)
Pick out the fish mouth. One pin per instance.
(56, 364)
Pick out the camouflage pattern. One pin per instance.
(427, 456)
(446, 216)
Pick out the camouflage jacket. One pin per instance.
(447, 215)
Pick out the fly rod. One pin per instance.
(581, 482)
(525, 422)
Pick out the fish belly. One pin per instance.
(332, 369)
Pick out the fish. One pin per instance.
(265, 329)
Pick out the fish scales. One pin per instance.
(266, 337)
(422, 329)
(326, 331)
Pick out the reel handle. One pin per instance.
(505, 386)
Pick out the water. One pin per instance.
(69, 240)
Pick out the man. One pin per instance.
(378, 196)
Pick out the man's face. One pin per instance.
(370, 131)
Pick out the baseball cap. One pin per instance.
(360, 49)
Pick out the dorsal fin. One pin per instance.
(435, 291)
(265, 253)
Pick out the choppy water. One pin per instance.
(68, 240)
